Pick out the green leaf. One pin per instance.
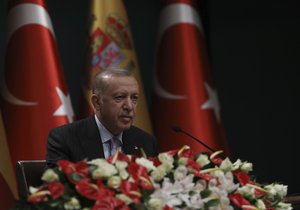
(213, 202)
(92, 168)
(76, 177)
(205, 193)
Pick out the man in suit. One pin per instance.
(114, 97)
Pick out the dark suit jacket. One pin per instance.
(81, 140)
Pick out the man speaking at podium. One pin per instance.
(115, 95)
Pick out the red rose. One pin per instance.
(56, 189)
(140, 175)
(39, 196)
(121, 157)
(110, 203)
(74, 171)
(94, 191)
(217, 160)
(238, 200)
(242, 177)
(131, 190)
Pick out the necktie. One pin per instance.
(115, 144)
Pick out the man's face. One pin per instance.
(119, 102)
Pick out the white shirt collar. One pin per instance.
(104, 133)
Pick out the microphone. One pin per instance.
(178, 129)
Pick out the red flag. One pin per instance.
(7, 199)
(8, 188)
(185, 94)
(34, 94)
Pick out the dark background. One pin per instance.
(254, 49)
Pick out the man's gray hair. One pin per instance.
(99, 84)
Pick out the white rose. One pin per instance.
(123, 174)
(281, 190)
(146, 163)
(180, 173)
(155, 204)
(103, 173)
(217, 173)
(159, 173)
(124, 198)
(114, 182)
(247, 191)
(33, 190)
(276, 189)
(237, 164)
(50, 176)
(226, 165)
(121, 165)
(284, 206)
(104, 169)
(246, 166)
(96, 162)
(260, 204)
(166, 158)
(202, 160)
(182, 161)
(72, 204)
(201, 184)
(167, 167)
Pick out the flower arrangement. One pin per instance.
(177, 179)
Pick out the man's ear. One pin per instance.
(96, 101)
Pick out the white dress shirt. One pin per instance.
(106, 136)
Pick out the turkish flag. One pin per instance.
(34, 93)
(185, 93)
(8, 187)
(6, 197)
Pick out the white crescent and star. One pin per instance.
(65, 108)
(25, 14)
(212, 101)
(19, 16)
(171, 15)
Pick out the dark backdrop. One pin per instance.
(254, 53)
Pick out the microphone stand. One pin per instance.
(178, 129)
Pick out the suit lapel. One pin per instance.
(91, 140)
